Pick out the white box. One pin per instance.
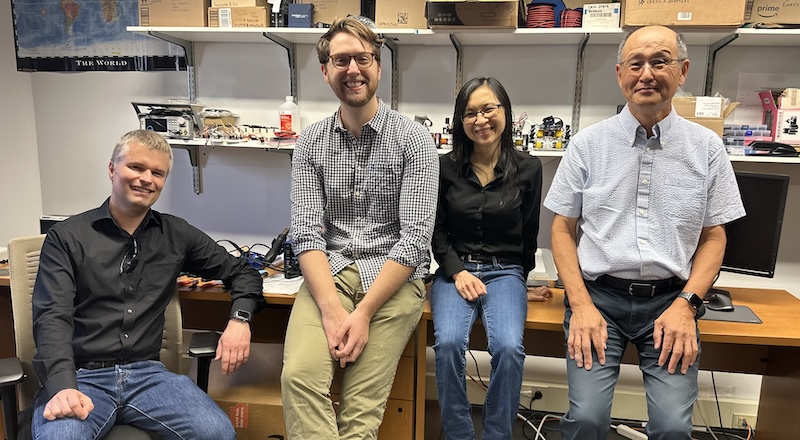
(601, 15)
(787, 130)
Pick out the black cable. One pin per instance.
(719, 412)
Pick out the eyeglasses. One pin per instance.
(656, 64)
(130, 260)
(487, 112)
(363, 60)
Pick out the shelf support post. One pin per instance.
(291, 51)
(392, 46)
(712, 59)
(194, 160)
(578, 93)
(188, 50)
(459, 62)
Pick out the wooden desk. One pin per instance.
(771, 349)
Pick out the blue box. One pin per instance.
(300, 15)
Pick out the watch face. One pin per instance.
(242, 314)
(693, 299)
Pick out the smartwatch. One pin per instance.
(242, 315)
(694, 300)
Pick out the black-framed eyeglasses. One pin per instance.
(656, 64)
(488, 112)
(131, 258)
(364, 60)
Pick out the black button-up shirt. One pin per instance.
(472, 220)
(85, 308)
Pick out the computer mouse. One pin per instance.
(718, 302)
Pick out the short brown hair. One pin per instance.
(354, 27)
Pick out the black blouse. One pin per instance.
(472, 219)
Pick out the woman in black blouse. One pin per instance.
(484, 241)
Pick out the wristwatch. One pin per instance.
(695, 301)
(242, 315)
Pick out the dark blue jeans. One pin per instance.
(670, 397)
(144, 394)
(503, 311)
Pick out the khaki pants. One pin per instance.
(308, 367)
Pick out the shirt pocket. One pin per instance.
(686, 198)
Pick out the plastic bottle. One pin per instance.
(289, 115)
(447, 136)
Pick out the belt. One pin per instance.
(487, 259)
(642, 288)
(94, 365)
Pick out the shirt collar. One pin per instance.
(376, 123)
(663, 129)
(103, 215)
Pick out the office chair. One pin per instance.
(18, 380)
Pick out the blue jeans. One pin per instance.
(503, 311)
(670, 397)
(144, 394)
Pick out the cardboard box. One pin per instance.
(252, 396)
(708, 111)
(704, 13)
(400, 14)
(300, 16)
(772, 11)
(238, 3)
(173, 13)
(504, 14)
(326, 11)
(601, 16)
(248, 16)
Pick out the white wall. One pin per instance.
(74, 119)
(20, 190)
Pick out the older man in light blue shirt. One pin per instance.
(641, 200)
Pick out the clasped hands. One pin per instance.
(347, 334)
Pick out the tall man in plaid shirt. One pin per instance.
(364, 189)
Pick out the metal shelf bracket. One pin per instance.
(712, 59)
(291, 51)
(392, 46)
(188, 50)
(194, 160)
(459, 62)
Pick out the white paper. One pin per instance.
(280, 285)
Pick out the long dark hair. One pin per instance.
(463, 145)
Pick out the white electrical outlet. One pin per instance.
(742, 421)
(530, 391)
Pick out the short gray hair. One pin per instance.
(147, 138)
(680, 43)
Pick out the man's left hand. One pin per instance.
(352, 337)
(675, 334)
(234, 346)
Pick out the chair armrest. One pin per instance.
(10, 372)
(204, 344)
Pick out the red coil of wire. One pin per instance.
(541, 15)
(571, 18)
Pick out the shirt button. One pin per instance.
(641, 211)
(644, 181)
(642, 242)
(647, 149)
(125, 336)
(130, 288)
(130, 311)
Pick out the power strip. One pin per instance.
(628, 432)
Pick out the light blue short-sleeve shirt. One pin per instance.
(641, 203)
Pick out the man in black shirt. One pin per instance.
(105, 278)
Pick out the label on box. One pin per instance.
(707, 107)
(684, 16)
(603, 15)
(239, 415)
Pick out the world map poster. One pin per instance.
(87, 35)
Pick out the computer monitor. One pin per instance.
(753, 239)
